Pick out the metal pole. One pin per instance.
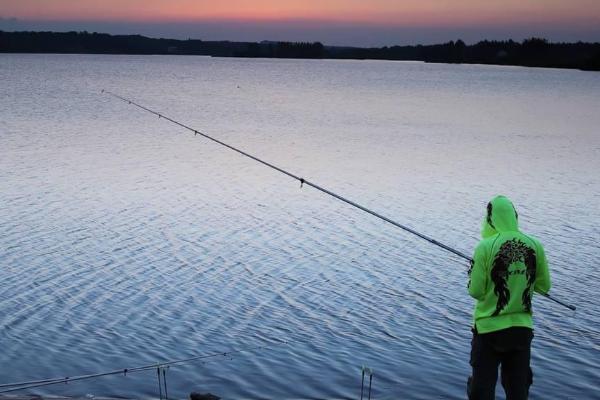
(362, 384)
(159, 385)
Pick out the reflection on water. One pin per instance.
(125, 240)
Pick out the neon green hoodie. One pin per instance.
(508, 266)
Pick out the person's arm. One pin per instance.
(542, 279)
(478, 274)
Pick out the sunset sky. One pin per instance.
(353, 22)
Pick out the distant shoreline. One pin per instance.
(534, 52)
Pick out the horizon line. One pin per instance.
(550, 42)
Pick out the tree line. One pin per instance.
(534, 52)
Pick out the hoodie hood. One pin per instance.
(501, 216)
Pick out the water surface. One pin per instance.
(126, 241)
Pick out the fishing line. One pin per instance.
(317, 187)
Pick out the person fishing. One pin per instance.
(507, 268)
(511, 261)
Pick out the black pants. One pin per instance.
(509, 348)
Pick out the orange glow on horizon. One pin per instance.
(373, 12)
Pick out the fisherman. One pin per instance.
(508, 266)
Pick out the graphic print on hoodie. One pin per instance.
(508, 266)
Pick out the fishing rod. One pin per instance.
(17, 386)
(317, 187)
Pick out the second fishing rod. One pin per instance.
(306, 182)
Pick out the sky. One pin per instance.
(334, 22)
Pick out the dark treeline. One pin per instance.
(531, 52)
(102, 43)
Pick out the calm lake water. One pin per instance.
(125, 240)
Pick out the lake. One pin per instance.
(125, 240)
